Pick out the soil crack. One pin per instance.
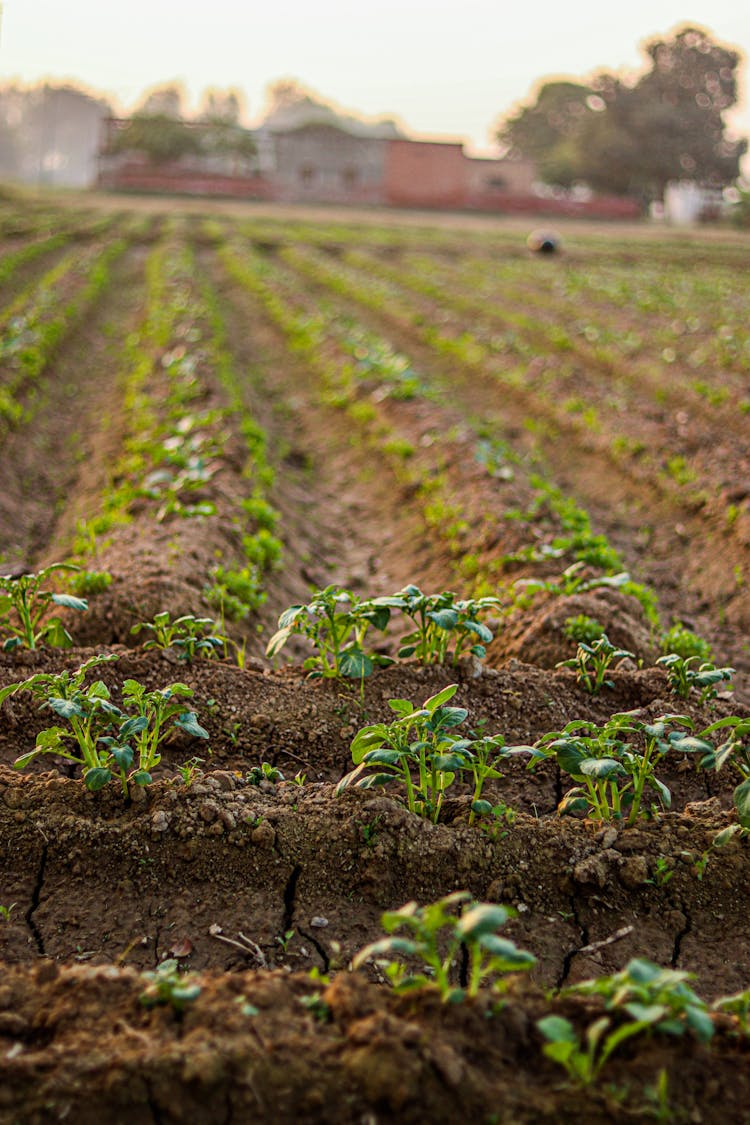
(290, 893)
(35, 900)
(325, 959)
(680, 937)
(568, 958)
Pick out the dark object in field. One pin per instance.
(543, 242)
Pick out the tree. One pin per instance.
(633, 138)
(547, 132)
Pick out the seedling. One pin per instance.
(6, 911)
(191, 770)
(419, 750)
(24, 603)
(649, 997)
(735, 750)
(437, 933)
(166, 986)
(441, 622)
(612, 773)
(592, 661)
(582, 628)
(190, 636)
(685, 643)
(683, 676)
(105, 740)
(264, 772)
(646, 991)
(336, 621)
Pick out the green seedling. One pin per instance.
(615, 764)
(190, 771)
(24, 604)
(683, 676)
(685, 643)
(165, 985)
(6, 911)
(105, 740)
(583, 629)
(437, 933)
(419, 750)
(735, 750)
(663, 871)
(584, 1056)
(264, 772)
(283, 940)
(494, 820)
(190, 636)
(646, 991)
(592, 661)
(441, 622)
(89, 582)
(336, 622)
(737, 1005)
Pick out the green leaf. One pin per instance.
(355, 664)
(601, 768)
(435, 701)
(278, 640)
(444, 618)
(557, 1030)
(484, 918)
(402, 707)
(133, 726)
(742, 802)
(141, 777)
(70, 602)
(96, 778)
(383, 757)
(65, 708)
(188, 721)
(56, 634)
(366, 739)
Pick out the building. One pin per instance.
(329, 159)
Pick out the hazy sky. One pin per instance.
(442, 68)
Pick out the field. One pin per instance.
(508, 498)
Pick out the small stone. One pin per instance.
(318, 922)
(160, 821)
(208, 811)
(633, 871)
(591, 871)
(263, 836)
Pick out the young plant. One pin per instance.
(165, 985)
(24, 603)
(592, 661)
(437, 933)
(336, 621)
(6, 911)
(582, 628)
(646, 991)
(190, 636)
(104, 739)
(441, 622)
(683, 676)
(264, 772)
(419, 749)
(613, 770)
(735, 750)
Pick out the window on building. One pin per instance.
(307, 174)
(350, 178)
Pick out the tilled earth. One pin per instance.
(266, 892)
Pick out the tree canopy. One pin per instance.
(634, 138)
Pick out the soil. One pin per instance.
(263, 893)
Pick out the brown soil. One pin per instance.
(266, 892)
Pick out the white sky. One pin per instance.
(444, 69)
